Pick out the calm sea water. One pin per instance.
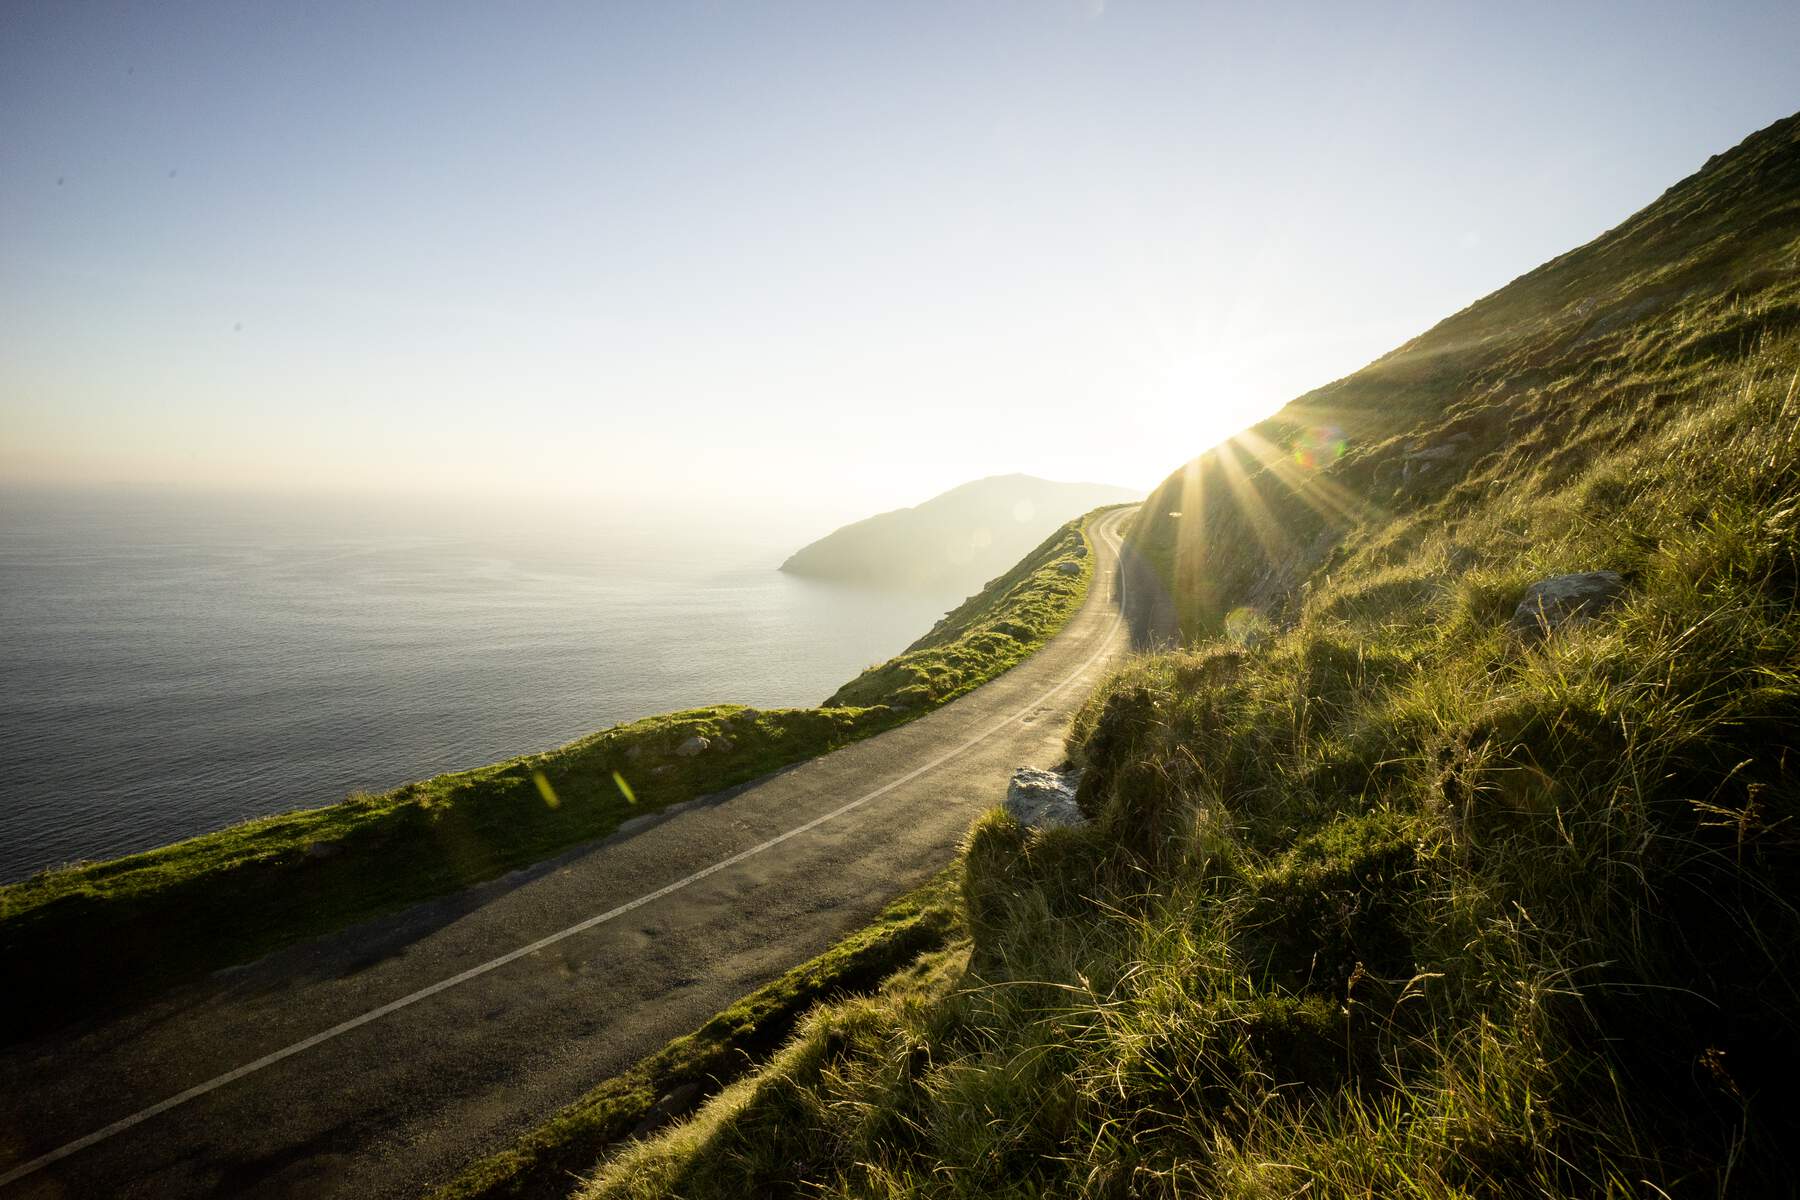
(173, 664)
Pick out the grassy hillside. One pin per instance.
(98, 935)
(1384, 895)
(1529, 387)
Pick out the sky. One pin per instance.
(830, 257)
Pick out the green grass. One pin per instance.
(99, 935)
(668, 1084)
(1380, 899)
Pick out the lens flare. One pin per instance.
(545, 790)
(1319, 447)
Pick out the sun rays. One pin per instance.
(1258, 502)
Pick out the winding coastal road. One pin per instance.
(384, 1058)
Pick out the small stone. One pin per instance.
(1431, 454)
(676, 1103)
(1043, 799)
(1562, 601)
(692, 746)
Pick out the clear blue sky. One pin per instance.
(834, 256)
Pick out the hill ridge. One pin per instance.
(953, 542)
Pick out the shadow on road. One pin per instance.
(1149, 610)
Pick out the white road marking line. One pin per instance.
(442, 985)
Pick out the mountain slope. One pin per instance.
(1394, 885)
(1566, 364)
(956, 541)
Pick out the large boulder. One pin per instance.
(1043, 799)
(1562, 601)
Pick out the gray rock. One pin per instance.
(1562, 601)
(1438, 453)
(670, 1107)
(1421, 462)
(1069, 568)
(692, 746)
(1043, 799)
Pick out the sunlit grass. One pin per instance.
(1380, 899)
(1388, 905)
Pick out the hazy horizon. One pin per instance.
(804, 260)
(753, 526)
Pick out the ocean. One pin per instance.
(174, 663)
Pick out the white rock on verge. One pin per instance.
(1043, 799)
(693, 746)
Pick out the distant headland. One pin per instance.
(953, 542)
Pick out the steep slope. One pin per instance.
(1394, 886)
(954, 542)
(1529, 385)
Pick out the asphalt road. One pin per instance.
(384, 1058)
